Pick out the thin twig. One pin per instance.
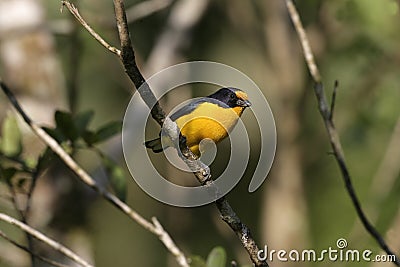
(40, 257)
(166, 239)
(74, 11)
(50, 242)
(333, 100)
(32, 186)
(23, 216)
(326, 114)
(241, 230)
(88, 180)
(203, 175)
(23, 213)
(127, 57)
(305, 44)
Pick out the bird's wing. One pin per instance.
(187, 109)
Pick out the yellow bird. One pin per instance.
(210, 117)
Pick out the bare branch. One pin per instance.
(203, 175)
(44, 259)
(326, 114)
(74, 11)
(241, 230)
(127, 57)
(23, 213)
(50, 242)
(88, 180)
(308, 55)
(333, 100)
(164, 237)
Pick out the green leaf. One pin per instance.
(107, 131)
(82, 120)
(217, 257)
(71, 128)
(197, 261)
(89, 137)
(65, 124)
(11, 144)
(117, 177)
(55, 133)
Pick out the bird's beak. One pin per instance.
(243, 103)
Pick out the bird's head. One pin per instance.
(232, 97)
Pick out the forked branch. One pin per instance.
(89, 181)
(203, 175)
(327, 115)
(127, 57)
(40, 236)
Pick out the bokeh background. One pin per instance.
(52, 63)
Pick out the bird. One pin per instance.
(211, 117)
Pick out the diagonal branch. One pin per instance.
(305, 44)
(203, 175)
(127, 56)
(38, 235)
(74, 11)
(23, 213)
(88, 180)
(33, 254)
(326, 114)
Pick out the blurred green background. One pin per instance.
(303, 203)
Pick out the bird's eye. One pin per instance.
(232, 96)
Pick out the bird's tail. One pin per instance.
(155, 145)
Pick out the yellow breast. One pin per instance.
(208, 121)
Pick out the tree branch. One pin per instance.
(88, 180)
(327, 116)
(132, 70)
(23, 213)
(74, 11)
(44, 259)
(127, 56)
(50, 242)
(305, 44)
